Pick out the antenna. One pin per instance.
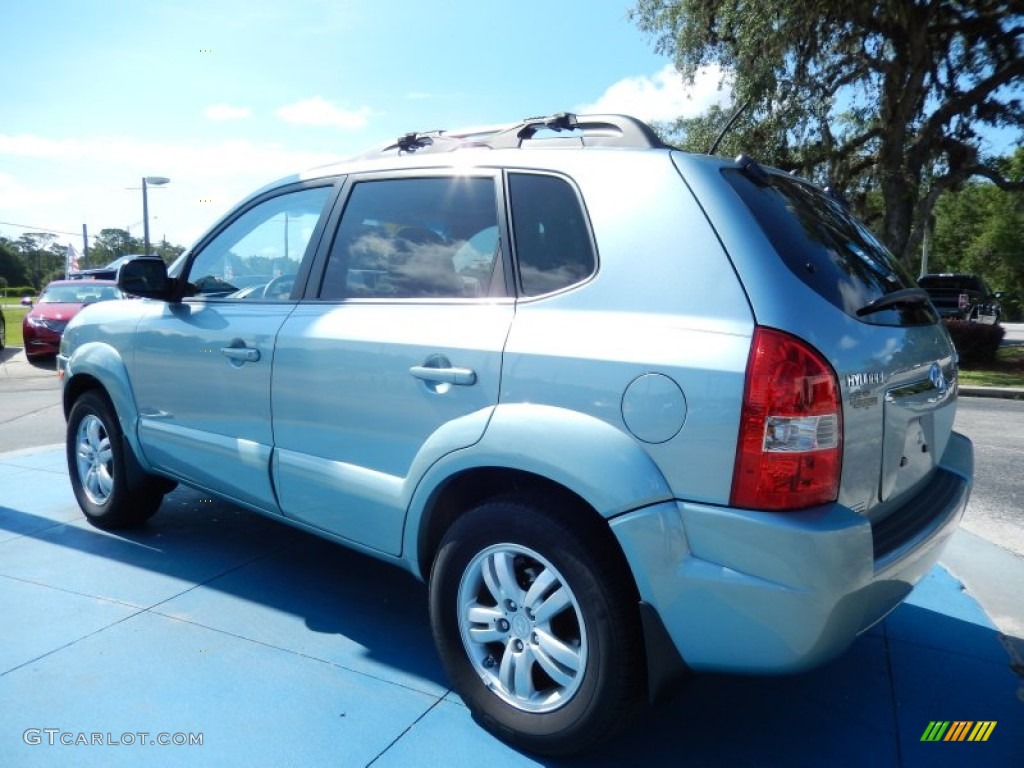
(728, 125)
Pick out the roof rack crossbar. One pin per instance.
(591, 130)
(594, 130)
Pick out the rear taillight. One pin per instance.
(791, 429)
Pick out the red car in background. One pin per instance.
(58, 303)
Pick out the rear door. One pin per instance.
(396, 356)
(201, 370)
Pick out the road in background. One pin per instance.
(1014, 333)
(996, 510)
(30, 413)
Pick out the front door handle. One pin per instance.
(241, 354)
(461, 376)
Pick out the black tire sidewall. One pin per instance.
(588, 716)
(93, 404)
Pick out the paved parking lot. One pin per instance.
(276, 648)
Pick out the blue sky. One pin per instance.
(223, 96)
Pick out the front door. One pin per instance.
(201, 370)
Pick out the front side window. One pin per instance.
(258, 255)
(553, 245)
(415, 238)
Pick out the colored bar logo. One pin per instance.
(958, 730)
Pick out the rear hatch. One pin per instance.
(822, 276)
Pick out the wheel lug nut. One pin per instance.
(510, 605)
(488, 662)
(518, 645)
(503, 625)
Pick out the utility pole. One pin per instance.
(924, 250)
(146, 182)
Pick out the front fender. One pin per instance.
(101, 363)
(592, 458)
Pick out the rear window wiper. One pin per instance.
(902, 298)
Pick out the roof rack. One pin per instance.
(591, 130)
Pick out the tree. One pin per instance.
(40, 255)
(885, 97)
(168, 252)
(980, 229)
(12, 269)
(110, 244)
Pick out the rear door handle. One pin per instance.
(241, 354)
(461, 376)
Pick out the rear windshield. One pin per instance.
(828, 249)
(80, 292)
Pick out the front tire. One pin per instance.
(536, 621)
(98, 467)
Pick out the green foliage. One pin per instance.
(166, 251)
(980, 229)
(36, 258)
(976, 343)
(14, 316)
(29, 258)
(882, 98)
(110, 244)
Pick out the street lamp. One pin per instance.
(156, 181)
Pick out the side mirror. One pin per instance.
(145, 277)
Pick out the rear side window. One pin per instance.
(553, 245)
(416, 238)
(827, 248)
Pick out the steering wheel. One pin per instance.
(279, 288)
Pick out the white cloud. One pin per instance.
(221, 112)
(59, 183)
(15, 195)
(320, 112)
(664, 95)
(195, 161)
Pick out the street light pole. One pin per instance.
(146, 181)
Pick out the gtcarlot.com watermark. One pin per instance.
(59, 737)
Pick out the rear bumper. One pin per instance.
(754, 592)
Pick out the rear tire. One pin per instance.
(98, 467)
(536, 621)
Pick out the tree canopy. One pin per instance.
(884, 100)
(980, 229)
(36, 258)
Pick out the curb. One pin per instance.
(1008, 393)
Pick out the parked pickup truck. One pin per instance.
(962, 297)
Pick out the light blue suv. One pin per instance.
(631, 412)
